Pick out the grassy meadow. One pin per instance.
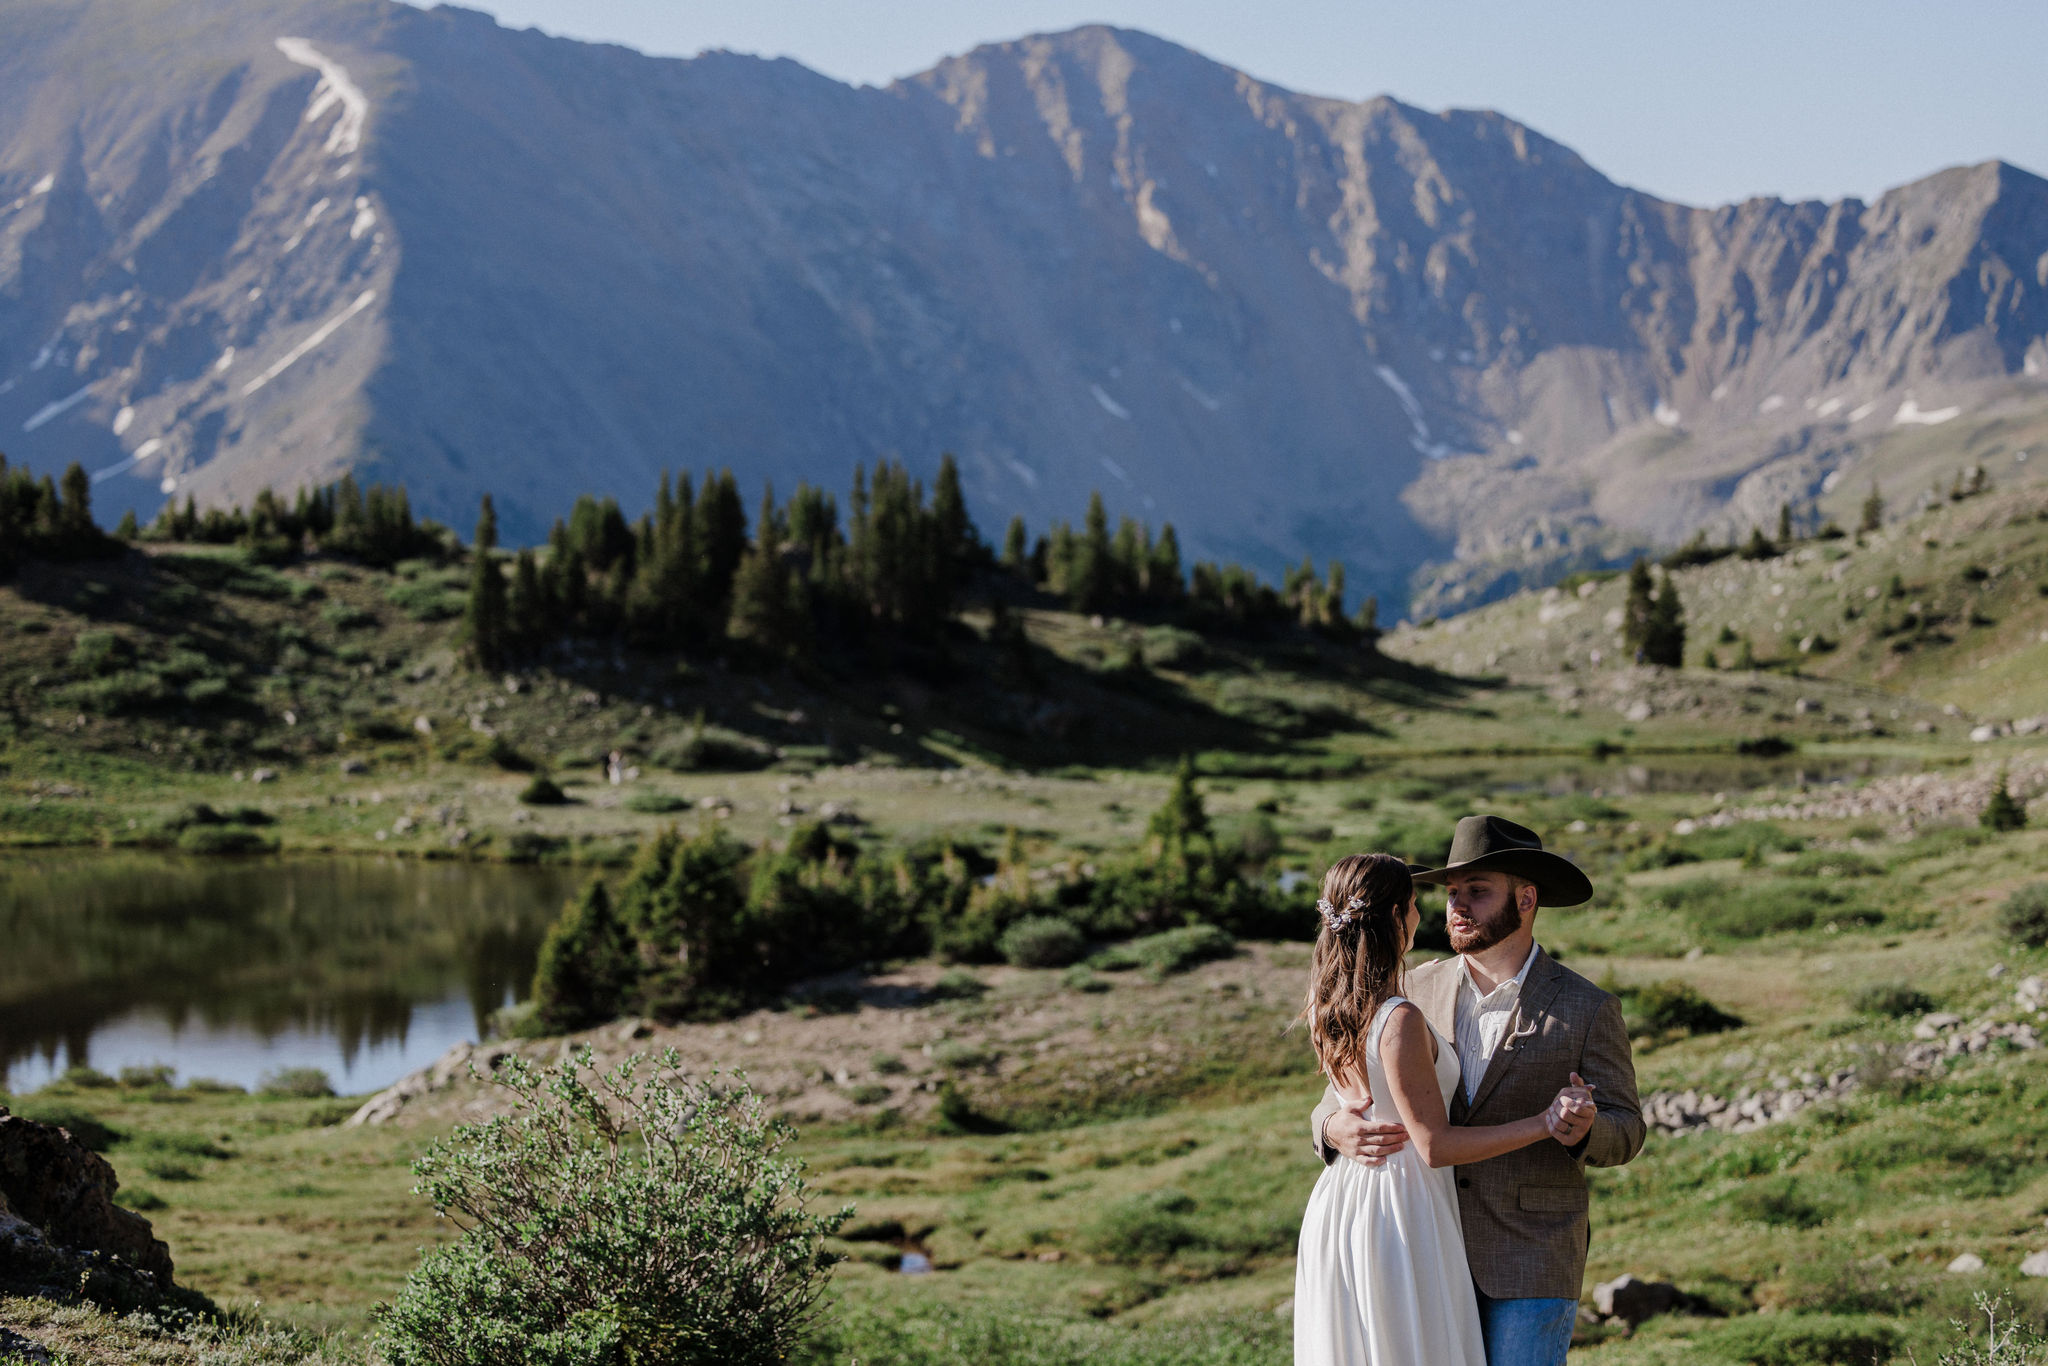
(1107, 1163)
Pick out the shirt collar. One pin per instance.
(1507, 990)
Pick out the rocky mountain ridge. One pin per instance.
(273, 240)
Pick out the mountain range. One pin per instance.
(263, 242)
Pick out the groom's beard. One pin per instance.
(1488, 932)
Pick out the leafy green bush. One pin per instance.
(86, 1078)
(1171, 952)
(225, 839)
(1081, 977)
(2024, 916)
(2009, 1339)
(888, 1064)
(1172, 647)
(1145, 1228)
(960, 1055)
(95, 653)
(702, 749)
(1779, 1201)
(958, 984)
(295, 1083)
(426, 599)
(869, 1093)
(1724, 842)
(1806, 1340)
(1042, 941)
(638, 1215)
(543, 791)
(1673, 1007)
(343, 617)
(1894, 999)
(657, 803)
(147, 1076)
(1752, 908)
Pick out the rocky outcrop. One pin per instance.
(57, 1211)
(1939, 1040)
(446, 1070)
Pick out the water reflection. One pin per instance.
(363, 967)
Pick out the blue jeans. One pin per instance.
(1526, 1332)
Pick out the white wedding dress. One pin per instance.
(1381, 1277)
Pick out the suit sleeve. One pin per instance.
(1329, 1106)
(1608, 1063)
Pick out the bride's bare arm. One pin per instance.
(1411, 1077)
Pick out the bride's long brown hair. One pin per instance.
(1356, 965)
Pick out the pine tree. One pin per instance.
(1873, 512)
(586, 966)
(76, 528)
(1784, 524)
(1182, 819)
(2003, 812)
(1664, 637)
(766, 611)
(1089, 576)
(486, 618)
(529, 622)
(1759, 546)
(1016, 553)
(1333, 619)
(1165, 583)
(960, 548)
(1637, 610)
(721, 541)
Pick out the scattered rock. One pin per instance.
(57, 1204)
(1284, 1309)
(15, 1347)
(353, 766)
(386, 1105)
(2031, 993)
(630, 1030)
(1966, 1264)
(423, 725)
(1935, 1024)
(263, 775)
(2035, 1264)
(1995, 971)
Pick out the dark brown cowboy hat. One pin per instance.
(1488, 844)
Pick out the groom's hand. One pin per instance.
(1348, 1132)
(1570, 1117)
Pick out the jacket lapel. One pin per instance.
(1539, 988)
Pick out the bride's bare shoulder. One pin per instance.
(1406, 1027)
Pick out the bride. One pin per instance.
(1381, 1277)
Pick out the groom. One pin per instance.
(1524, 1027)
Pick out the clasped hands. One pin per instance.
(1569, 1119)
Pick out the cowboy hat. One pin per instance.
(1488, 844)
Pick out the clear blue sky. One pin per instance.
(1699, 102)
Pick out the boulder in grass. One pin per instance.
(2035, 1264)
(1966, 1264)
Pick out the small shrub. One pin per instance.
(213, 1086)
(1807, 1340)
(295, 1083)
(1146, 1228)
(1167, 953)
(635, 1215)
(139, 1200)
(888, 1064)
(958, 984)
(1778, 1201)
(147, 1077)
(2024, 916)
(702, 748)
(1893, 999)
(1172, 647)
(86, 1077)
(869, 1093)
(1041, 941)
(657, 803)
(2009, 1338)
(343, 617)
(543, 791)
(506, 756)
(960, 1055)
(1081, 977)
(1674, 1007)
(225, 839)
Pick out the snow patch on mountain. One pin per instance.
(335, 88)
(298, 353)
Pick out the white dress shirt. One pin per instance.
(1482, 1021)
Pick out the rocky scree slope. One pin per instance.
(269, 240)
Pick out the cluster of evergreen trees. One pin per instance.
(1135, 573)
(373, 526)
(690, 570)
(46, 518)
(703, 926)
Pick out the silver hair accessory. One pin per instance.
(1336, 919)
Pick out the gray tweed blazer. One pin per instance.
(1524, 1212)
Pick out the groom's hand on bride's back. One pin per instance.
(1351, 1134)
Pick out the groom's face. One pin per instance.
(1482, 910)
